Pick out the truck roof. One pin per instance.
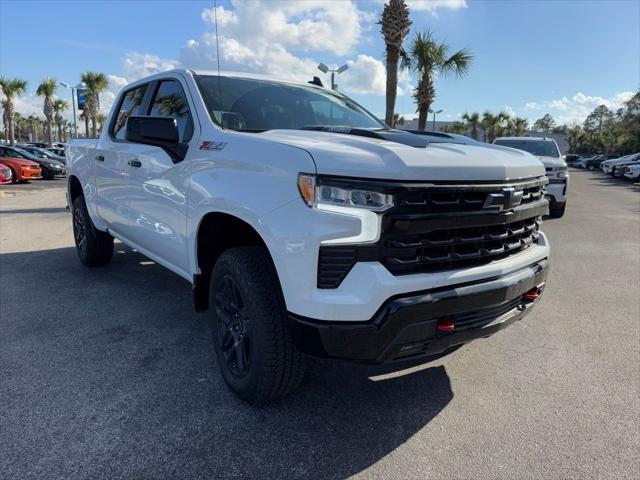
(257, 76)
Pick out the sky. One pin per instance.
(530, 57)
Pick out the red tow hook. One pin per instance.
(445, 325)
(531, 295)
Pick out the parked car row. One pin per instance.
(27, 162)
(588, 162)
(627, 166)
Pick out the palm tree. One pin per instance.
(33, 124)
(489, 124)
(456, 127)
(398, 120)
(96, 84)
(59, 107)
(520, 126)
(11, 88)
(473, 121)
(5, 119)
(101, 119)
(47, 90)
(19, 124)
(394, 25)
(503, 126)
(430, 59)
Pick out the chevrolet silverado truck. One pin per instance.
(546, 150)
(308, 227)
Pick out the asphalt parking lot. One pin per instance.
(108, 373)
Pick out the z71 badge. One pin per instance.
(213, 145)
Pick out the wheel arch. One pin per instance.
(217, 232)
(74, 188)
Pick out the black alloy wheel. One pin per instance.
(233, 335)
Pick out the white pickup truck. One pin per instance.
(307, 226)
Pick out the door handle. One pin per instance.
(135, 163)
(100, 158)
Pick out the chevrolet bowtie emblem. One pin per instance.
(508, 198)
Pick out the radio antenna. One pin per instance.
(215, 18)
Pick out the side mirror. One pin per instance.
(157, 131)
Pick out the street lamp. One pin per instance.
(324, 69)
(73, 102)
(434, 117)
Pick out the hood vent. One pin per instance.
(406, 137)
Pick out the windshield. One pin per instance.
(541, 148)
(20, 153)
(259, 105)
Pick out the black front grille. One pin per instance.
(435, 228)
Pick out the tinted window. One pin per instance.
(131, 105)
(11, 153)
(542, 148)
(170, 101)
(250, 104)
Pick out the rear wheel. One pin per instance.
(254, 348)
(95, 248)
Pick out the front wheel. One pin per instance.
(254, 347)
(591, 168)
(95, 248)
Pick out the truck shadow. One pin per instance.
(108, 372)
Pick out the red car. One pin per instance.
(5, 174)
(22, 170)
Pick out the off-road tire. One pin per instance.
(97, 248)
(274, 367)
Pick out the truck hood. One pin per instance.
(552, 162)
(355, 156)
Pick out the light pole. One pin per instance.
(73, 102)
(324, 69)
(434, 117)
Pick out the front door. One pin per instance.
(111, 158)
(159, 184)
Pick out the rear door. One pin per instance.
(111, 157)
(159, 184)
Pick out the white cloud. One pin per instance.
(138, 65)
(576, 108)
(509, 110)
(433, 5)
(367, 75)
(332, 26)
(261, 37)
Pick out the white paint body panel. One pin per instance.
(158, 208)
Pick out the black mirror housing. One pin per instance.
(157, 131)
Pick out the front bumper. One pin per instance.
(407, 326)
(556, 193)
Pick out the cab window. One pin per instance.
(131, 105)
(170, 101)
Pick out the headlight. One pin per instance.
(54, 166)
(563, 174)
(314, 194)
